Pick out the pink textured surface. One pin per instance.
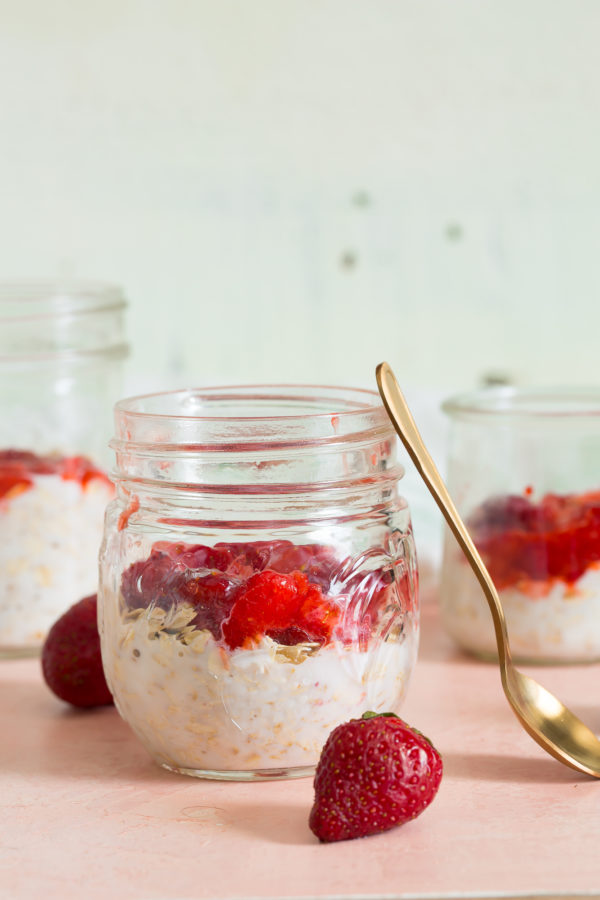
(86, 814)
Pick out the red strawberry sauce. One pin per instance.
(18, 468)
(533, 544)
(245, 591)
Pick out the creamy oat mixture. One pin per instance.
(196, 705)
(561, 623)
(50, 534)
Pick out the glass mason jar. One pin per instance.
(524, 470)
(258, 581)
(61, 349)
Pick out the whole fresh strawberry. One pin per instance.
(71, 661)
(374, 773)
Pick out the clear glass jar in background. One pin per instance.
(258, 581)
(524, 470)
(61, 354)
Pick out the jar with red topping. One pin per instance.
(524, 469)
(258, 581)
(61, 348)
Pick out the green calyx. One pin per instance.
(389, 715)
(373, 715)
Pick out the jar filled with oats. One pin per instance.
(523, 467)
(258, 575)
(61, 350)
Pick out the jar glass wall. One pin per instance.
(524, 469)
(258, 575)
(61, 349)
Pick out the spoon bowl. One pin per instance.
(542, 715)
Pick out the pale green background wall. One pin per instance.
(295, 189)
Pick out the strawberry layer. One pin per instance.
(533, 545)
(244, 592)
(18, 469)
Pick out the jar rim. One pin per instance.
(250, 416)
(507, 402)
(271, 439)
(240, 392)
(50, 299)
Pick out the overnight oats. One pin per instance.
(51, 514)
(541, 545)
(258, 577)
(61, 349)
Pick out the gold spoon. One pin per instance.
(551, 724)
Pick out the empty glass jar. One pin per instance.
(258, 575)
(61, 349)
(524, 469)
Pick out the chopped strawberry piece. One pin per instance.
(13, 483)
(253, 556)
(149, 581)
(198, 556)
(78, 468)
(315, 616)
(315, 561)
(290, 637)
(284, 607)
(27, 462)
(267, 601)
(212, 596)
(499, 514)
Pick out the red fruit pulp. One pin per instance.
(17, 468)
(287, 608)
(213, 597)
(522, 541)
(244, 591)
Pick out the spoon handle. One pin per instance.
(403, 422)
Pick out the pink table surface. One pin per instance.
(85, 813)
